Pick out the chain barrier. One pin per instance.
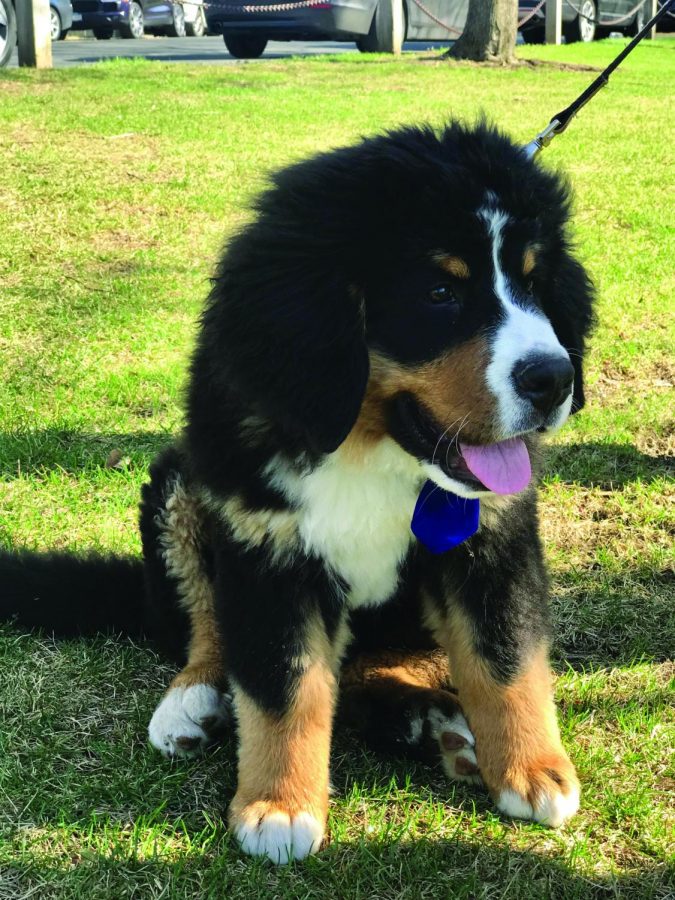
(308, 4)
(449, 28)
(452, 30)
(603, 23)
(532, 12)
(323, 4)
(276, 7)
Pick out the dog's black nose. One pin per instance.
(545, 381)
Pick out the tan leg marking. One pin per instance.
(413, 690)
(428, 669)
(194, 710)
(518, 745)
(205, 663)
(281, 803)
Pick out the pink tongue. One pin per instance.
(503, 468)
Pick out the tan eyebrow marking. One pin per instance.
(529, 258)
(454, 265)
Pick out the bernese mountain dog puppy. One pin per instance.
(401, 316)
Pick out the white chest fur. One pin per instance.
(355, 515)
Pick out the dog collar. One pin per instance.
(442, 520)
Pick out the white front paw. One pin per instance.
(550, 806)
(269, 831)
(188, 719)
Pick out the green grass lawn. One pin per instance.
(118, 183)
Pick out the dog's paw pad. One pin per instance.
(551, 797)
(264, 829)
(452, 741)
(457, 746)
(188, 743)
(188, 719)
(466, 766)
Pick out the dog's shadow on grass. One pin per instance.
(588, 464)
(135, 820)
(400, 856)
(398, 870)
(49, 449)
(608, 466)
(383, 842)
(387, 870)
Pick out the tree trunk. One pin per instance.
(490, 32)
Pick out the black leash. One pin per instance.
(561, 120)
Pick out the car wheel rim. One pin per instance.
(586, 22)
(179, 20)
(4, 29)
(55, 26)
(136, 21)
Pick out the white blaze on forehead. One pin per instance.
(495, 220)
(522, 331)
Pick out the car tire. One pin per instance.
(198, 27)
(64, 34)
(7, 31)
(245, 46)
(534, 35)
(584, 27)
(135, 28)
(387, 30)
(55, 29)
(103, 34)
(177, 27)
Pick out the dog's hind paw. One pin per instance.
(457, 746)
(188, 719)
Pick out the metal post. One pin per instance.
(553, 21)
(34, 33)
(651, 8)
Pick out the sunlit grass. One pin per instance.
(118, 183)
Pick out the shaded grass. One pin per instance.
(118, 183)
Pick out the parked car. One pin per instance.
(195, 18)
(7, 31)
(61, 18)
(375, 25)
(132, 18)
(586, 20)
(667, 22)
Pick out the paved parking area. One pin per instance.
(75, 52)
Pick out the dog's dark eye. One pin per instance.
(442, 294)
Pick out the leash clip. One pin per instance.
(543, 139)
(561, 120)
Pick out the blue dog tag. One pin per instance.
(443, 520)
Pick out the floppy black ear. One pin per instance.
(290, 333)
(570, 309)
